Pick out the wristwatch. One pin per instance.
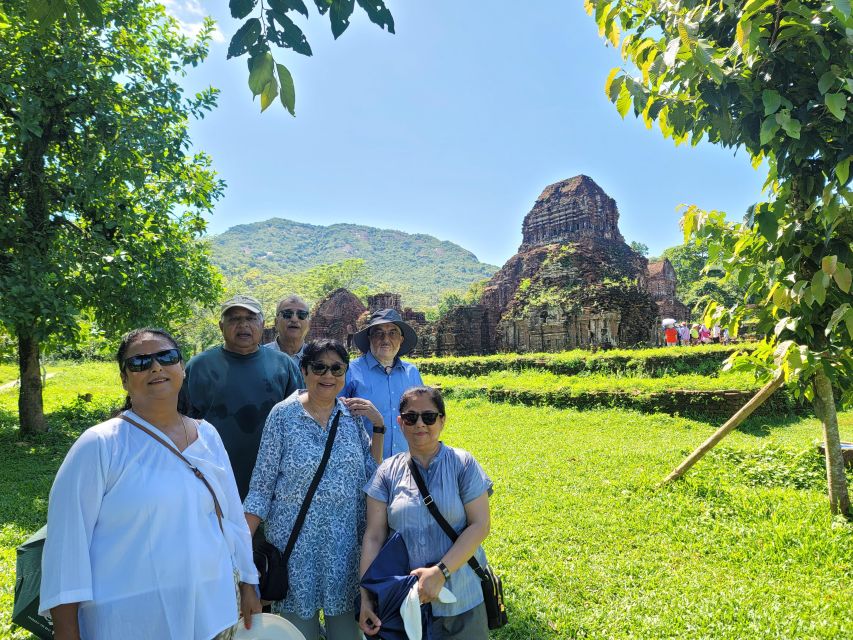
(379, 429)
(444, 570)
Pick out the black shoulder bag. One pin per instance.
(271, 563)
(493, 591)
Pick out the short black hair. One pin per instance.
(316, 348)
(433, 394)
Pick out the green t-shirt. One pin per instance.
(235, 393)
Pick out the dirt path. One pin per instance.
(14, 383)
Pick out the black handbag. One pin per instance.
(273, 579)
(493, 590)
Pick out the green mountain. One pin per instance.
(418, 266)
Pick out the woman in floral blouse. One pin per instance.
(323, 569)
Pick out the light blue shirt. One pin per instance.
(366, 378)
(453, 479)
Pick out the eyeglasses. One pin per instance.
(143, 362)
(319, 368)
(380, 335)
(429, 417)
(287, 314)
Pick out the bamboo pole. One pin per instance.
(743, 413)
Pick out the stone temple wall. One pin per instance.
(336, 316)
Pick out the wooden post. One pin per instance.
(757, 400)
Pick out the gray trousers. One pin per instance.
(471, 625)
(340, 627)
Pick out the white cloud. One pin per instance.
(187, 14)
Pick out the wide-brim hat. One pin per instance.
(384, 316)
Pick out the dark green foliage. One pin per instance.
(417, 266)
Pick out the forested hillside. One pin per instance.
(418, 266)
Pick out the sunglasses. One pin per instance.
(410, 418)
(143, 362)
(287, 314)
(319, 369)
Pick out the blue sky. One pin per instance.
(451, 127)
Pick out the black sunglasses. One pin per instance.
(319, 368)
(287, 314)
(143, 362)
(429, 417)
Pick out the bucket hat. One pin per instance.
(384, 316)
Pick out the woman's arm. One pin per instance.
(253, 521)
(374, 537)
(431, 579)
(267, 465)
(65, 623)
(365, 408)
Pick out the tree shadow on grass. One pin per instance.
(526, 625)
(763, 426)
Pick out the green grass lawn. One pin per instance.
(588, 546)
(545, 381)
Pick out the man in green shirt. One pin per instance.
(234, 386)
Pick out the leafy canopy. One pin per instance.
(776, 79)
(101, 199)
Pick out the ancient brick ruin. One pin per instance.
(574, 283)
(661, 285)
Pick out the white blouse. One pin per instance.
(133, 536)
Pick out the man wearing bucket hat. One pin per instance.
(379, 375)
(234, 386)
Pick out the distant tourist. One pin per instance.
(684, 334)
(235, 386)
(694, 334)
(292, 322)
(379, 375)
(715, 334)
(134, 549)
(671, 335)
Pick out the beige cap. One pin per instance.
(246, 302)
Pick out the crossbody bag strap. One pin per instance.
(429, 503)
(312, 488)
(196, 471)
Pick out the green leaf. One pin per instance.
(290, 36)
(772, 100)
(92, 10)
(241, 8)
(623, 102)
(608, 84)
(768, 129)
(842, 170)
(284, 6)
(260, 72)
(287, 94)
(826, 81)
(837, 316)
(843, 277)
(340, 15)
(323, 6)
(843, 6)
(378, 13)
(836, 103)
(828, 264)
(818, 287)
(615, 87)
(269, 94)
(244, 38)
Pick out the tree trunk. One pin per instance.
(30, 406)
(836, 480)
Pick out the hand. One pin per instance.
(430, 582)
(363, 407)
(249, 603)
(368, 622)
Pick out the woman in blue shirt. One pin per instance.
(461, 492)
(323, 568)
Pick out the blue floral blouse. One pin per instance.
(323, 569)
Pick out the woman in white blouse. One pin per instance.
(135, 549)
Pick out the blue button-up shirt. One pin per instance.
(453, 479)
(366, 378)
